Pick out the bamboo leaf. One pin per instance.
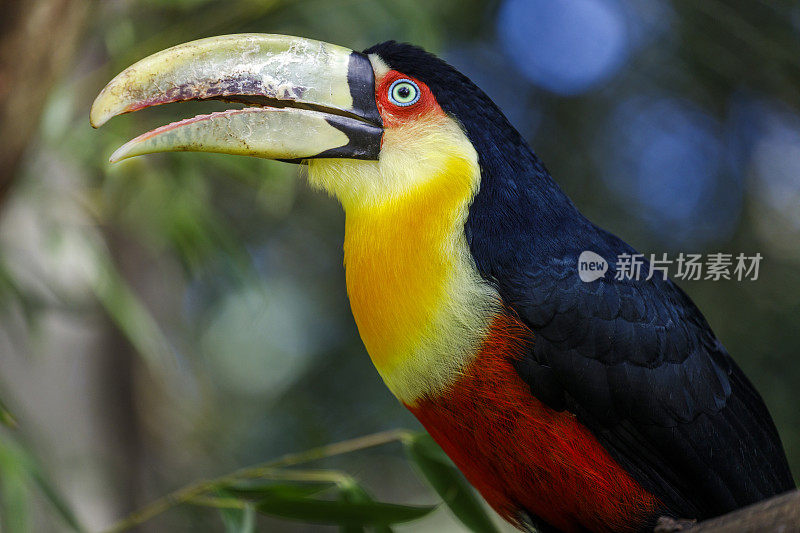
(131, 316)
(259, 490)
(52, 495)
(237, 520)
(193, 493)
(448, 482)
(349, 493)
(19, 470)
(355, 493)
(339, 512)
(14, 487)
(6, 418)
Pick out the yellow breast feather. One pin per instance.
(421, 307)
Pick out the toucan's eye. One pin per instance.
(403, 92)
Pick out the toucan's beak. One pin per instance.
(308, 99)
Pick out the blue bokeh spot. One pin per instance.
(666, 163)
(565, 46)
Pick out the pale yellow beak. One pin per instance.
(309, 99)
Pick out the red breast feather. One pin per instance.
(523, 456)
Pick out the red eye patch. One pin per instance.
(391, 106)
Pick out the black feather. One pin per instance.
(635, 360)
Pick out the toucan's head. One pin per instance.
(434, 180)
(371, 126)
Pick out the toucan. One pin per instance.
(570, 405)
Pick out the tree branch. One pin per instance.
(781, 513)
(195, 490)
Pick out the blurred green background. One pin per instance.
(179, 316)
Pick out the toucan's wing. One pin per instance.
(637, 363)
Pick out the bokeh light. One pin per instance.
(766, 138)
(566, 47)
(261, 339)
(665, 162)
(776, 163)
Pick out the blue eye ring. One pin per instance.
(396, 89)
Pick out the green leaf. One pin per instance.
(6, 418)
(350, 494)
(258, 490)
(131, 316)
(237, 515)
(339, 512)
(19, 470)
(448, 482)
(14, 487)
(238, 520)
(354, 493)
(51, 494)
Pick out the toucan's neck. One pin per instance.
(419, 303)
(519, 210)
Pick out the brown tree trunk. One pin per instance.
(37, 40)
(118, 372)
